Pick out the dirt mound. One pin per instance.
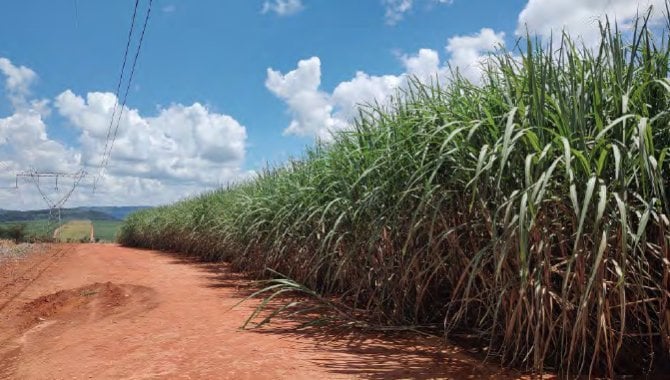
(47, 317)
(90, 302)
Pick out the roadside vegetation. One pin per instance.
(11, 251)
(529, 210)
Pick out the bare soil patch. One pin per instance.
(106, 312)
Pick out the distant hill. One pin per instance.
(90, 213)
(118, 213)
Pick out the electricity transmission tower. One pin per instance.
(54, 204)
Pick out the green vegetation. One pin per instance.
(106, 230)
(530, 210)
(78, 213)
(16, 232)
(75, 231)
(33, 229)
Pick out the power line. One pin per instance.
(118, 89)
(34, 175)
(132, 74)
(76, 13)
(108, 147)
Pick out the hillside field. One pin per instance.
(104, 230)
(34, 228)
(75, 231)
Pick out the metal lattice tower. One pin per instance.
(54, 205)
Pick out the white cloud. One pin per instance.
(467, 52)
(18, 80)
(425, 65)
(181, 143)
(395, 10)
(180, 150)
(24, 143)
(363, 90)
(580, 17)
(170, 8)
(282, 7)
(311, 108)
(316, 112)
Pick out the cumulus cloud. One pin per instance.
(18, 80)
(282, 7)
(167, 143)
(424, 65)
(580, 17)
(318, 113)
(310, 108)
(362, 90)
(181, 143)
(179, 150)
(466, 51)
(24, 143)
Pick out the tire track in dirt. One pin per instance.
(106, 312)
(31, 274)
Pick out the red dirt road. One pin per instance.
(107, 312)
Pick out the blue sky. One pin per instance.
(222, 87)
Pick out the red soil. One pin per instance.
(102, 311)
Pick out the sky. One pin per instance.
(222, 89)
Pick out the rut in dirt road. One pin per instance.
(103, 311)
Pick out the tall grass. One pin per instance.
(530, 210)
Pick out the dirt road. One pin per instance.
(102, 311)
